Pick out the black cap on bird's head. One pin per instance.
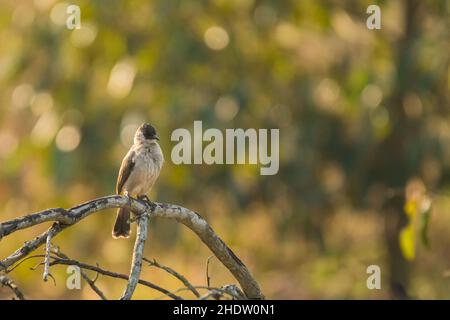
(148, 131)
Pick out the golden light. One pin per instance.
(287, 35)
(9, 143)
(371, 96)
(326, 95)
(43, 5)
(84, 36)
(344, 26)
(68, 138)
(41, 103)
(22, 95)
(58, 14)
(127, 134)
(412, 105)
(129, 124)
(226, 108)
(121, 79)
(23, 16)
(216, 38)
(45, 129)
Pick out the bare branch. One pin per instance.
(62, 259)
(229, 289)
(208, 279)
(26, 259)
(27, 248)
(212, 293)
(7, 282)
(185, 216)
(233, 291)
(85, 277)
(56, 214)
(48, 247)
(204, 231)
(175, 274)
(138, 253)
(93, 286)
(71, 262)
(219, 291)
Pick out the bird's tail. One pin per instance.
(122, 226)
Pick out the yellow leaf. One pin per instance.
(407, 242)
(410, 208)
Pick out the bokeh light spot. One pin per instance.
(84, 36)
(45, 129)
(23, 16)
(216, 38)
(326, 95)
(68, 138)
(371, 96)
(226, 108)
(9, 143)
(41, 103)
(22, 95)
(121, 79)
(58, 15)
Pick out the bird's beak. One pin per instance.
(156, 137)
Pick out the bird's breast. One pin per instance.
(145, 173)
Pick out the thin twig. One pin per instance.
(112, 274)
(208, 279)
(213, 293)
(7, 282)
(64, 260)
(23, 260)
(48, 245)
(175, 274)
(191, 219)
(220, 290)
(96, 274)
(229, 289)
(90, 282)
(234, 291)
(93, 286)
(138, 253)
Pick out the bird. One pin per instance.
(137, 174)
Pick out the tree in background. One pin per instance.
(363, 114)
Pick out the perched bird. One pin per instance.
(139, 170)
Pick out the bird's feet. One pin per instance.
(145, 198)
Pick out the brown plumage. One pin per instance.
(139, 170)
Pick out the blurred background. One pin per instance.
(364, 138)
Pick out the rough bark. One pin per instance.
(66, 218)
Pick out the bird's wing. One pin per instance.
(125, 170)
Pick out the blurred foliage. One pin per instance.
(360, 112)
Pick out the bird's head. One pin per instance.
(146, 132)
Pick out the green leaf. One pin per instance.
(424, 222)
